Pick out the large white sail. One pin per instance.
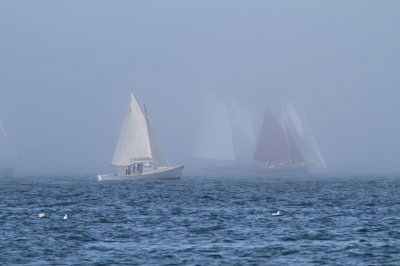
(134, 143)
(312, 153)
(303, 137)
(243, 134)
(159, 157)
(216, 142)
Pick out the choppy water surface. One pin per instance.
(346, 220)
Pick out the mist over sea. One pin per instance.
(335, 220)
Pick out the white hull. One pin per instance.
(6, 172)
(174, 172)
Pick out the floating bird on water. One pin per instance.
(42, 214)
(65, 216)
(277, 213)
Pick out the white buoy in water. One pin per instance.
(42, 214)
(277, 213)
(65, 216)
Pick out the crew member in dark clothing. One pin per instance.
(140, 168)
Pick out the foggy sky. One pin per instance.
(67, 68)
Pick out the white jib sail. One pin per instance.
(303, 137)
(243, 132)
(134, 142)
(314, 155)
(216, 140)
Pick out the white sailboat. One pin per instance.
(227, 141)
(287, 146)
(138, 153)
(7, 157)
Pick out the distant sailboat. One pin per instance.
(216, 141)
(7, 157)
(138, 153)
(227, 139)
(287, 146)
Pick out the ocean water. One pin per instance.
(349, 220)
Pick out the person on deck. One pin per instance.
(140, 168)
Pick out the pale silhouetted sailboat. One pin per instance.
(138, 153)
(227, 139)
(287, 146)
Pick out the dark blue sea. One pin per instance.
(326, 220)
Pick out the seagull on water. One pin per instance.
(65, 216)
(277, 213)
(42, 214)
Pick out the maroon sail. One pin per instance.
(272, 146)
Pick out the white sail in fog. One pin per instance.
(303, 137)
(134, 142)
(216, 141)
(243, 133)
(3, 138)
(6, 151)
(138, 150)
(7, 155)
(159, 157)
